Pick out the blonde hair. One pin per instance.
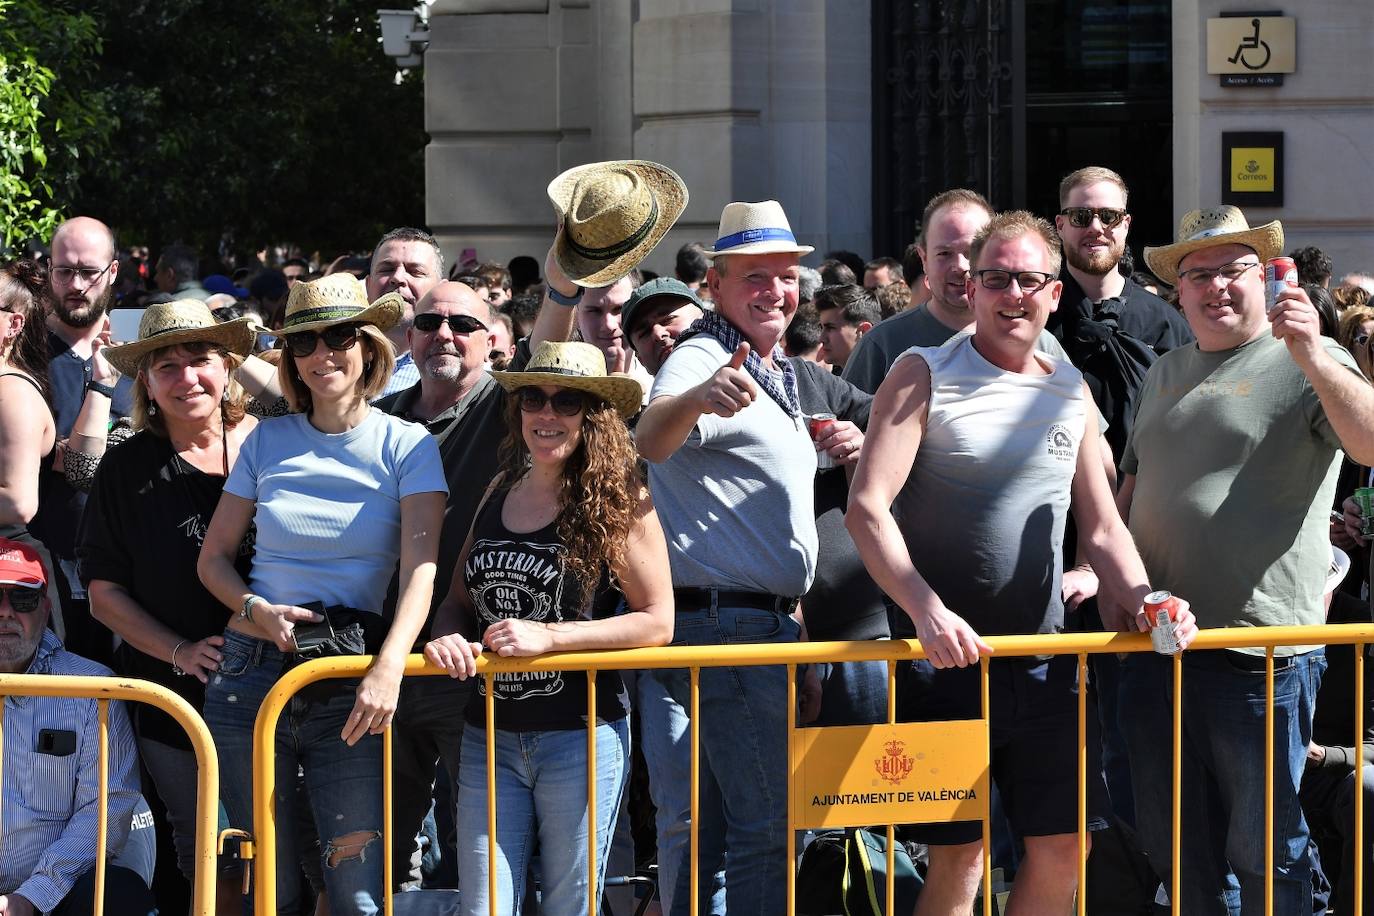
(376, 370)
(1012, 224)
(232, 407)
(1351, 319)
(1091, 175)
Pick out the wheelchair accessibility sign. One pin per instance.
(1251, 50)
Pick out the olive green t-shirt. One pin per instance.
(1235, 466)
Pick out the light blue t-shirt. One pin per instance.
(736, 501)
(328, 509)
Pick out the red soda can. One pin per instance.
(1279, 274)
(1161, 613)
(820, 425)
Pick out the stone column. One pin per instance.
(745, 99)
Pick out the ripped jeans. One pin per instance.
(344, 783)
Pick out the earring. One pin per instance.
(152, 408)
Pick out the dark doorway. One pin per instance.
(1008, 96)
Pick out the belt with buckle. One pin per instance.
(690, 598)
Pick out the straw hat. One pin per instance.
(613, 214)
(757, 228)
(580, 366)
(167, 324)
(336, 299)
(1209, 228)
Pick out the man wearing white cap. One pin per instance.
(51, 765)
(732, 467)
(1230, 471)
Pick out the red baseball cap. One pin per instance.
(20, 564)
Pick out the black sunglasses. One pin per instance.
(429, 322)
(23, 600)
(566, 402)
(1082, 217)
(338, 337)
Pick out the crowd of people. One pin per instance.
(1009, 430)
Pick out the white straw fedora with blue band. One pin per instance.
(755, 228)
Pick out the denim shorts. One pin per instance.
(1034, 737)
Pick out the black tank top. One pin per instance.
(522, 576)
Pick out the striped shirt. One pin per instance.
(49, 805)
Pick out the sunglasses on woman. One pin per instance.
(1082, 217)
(23, 600)
(566, 402)
(337, 337)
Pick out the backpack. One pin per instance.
(845, 872)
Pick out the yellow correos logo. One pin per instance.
(1252, 168)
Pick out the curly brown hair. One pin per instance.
(600, 491)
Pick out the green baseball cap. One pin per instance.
(663, 286)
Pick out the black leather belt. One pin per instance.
(692, 598)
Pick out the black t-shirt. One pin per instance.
(512, 575)
(59, 506)
(844, 602)
(142, 530)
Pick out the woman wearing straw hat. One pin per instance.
(27, 431)
(567, 509)
(338, 492)
(151, 500)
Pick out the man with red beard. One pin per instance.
(1105, 317)
(81, 278)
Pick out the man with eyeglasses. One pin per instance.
(948, 225)
(448, 343)
(409, 262)
(1230, 472)
(52, 771)
(81, 276)
(977, 450)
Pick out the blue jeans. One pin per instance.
(541, 791)
(664, 737)
(1223, 774)
(744, 771)
(344, 783)
(852, 693)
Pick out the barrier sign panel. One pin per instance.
(909, 773)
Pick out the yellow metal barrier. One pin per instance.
(103, 690)
(792, 654)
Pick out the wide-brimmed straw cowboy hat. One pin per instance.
(755, 228)
(181, 321)
(336, 299)
(580, 366)
(612, 215)
(1209, 228)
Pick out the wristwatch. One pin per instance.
(246, 612)
(107, 390)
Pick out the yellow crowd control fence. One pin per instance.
(804, 741)
(103, 690)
